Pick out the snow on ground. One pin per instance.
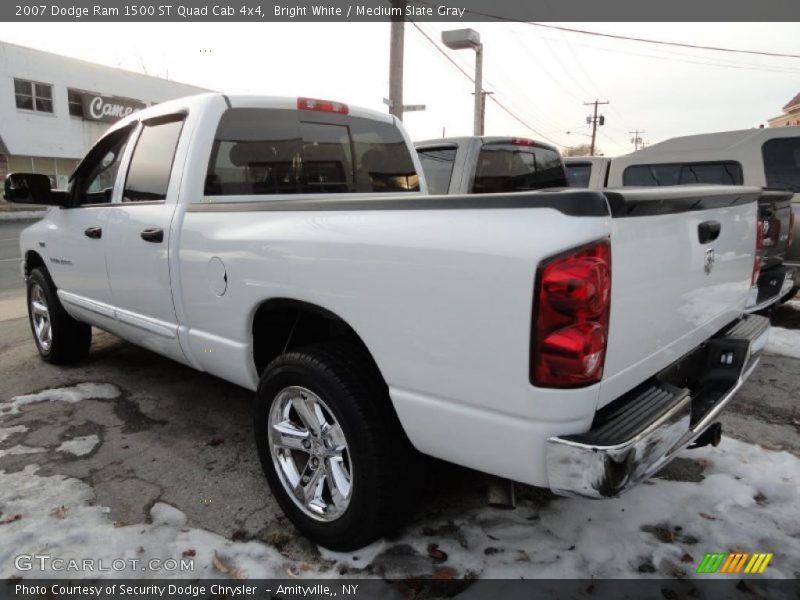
(75, 393)
(747, 501)
(784, 341)
(5, 433)
(79, 446)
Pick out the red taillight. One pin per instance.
(759, 247)
(790, 237)
(522, 142)
(771, 233)
(322, 105)
(570, 324)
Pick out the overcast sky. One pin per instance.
(542, 75)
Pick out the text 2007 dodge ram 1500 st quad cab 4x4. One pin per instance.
(573, 339)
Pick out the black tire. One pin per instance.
(382, 460)
(69, 339)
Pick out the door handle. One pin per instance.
(93, 232)
(154, 235)
(708, 231)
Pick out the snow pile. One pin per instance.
(56, 518)
(75, 393)
(79, 446)
(748, 500)
(784, 341)
(6, 432)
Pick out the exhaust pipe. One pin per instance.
(711, 436)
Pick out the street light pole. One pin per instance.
(458, 39)
(477, 125)
(396, 47)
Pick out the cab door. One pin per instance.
(74, 237)
(136, 239)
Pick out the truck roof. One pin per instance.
(486, 139)
(715, 142)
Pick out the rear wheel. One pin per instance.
(59, 338)
(335, 461)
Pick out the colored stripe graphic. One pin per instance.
(758, 563)
(733, 562)
(711, 563)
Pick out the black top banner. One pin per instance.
(383, 10)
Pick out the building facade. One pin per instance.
(790, 116)
(53, 108)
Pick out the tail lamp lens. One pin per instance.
(760, 226)
(570, 321)
(790, 235)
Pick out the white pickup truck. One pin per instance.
(288, 246)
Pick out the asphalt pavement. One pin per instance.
(11, 282)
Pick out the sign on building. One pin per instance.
(108, 108)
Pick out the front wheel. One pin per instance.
(334, 459)
(59, 338)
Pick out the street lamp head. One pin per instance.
(458, 39)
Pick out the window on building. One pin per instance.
(507, 167)
(437, 164)
(151, 164)
(274, 151)
(31, 95)
(723, 172)
(75, 102)
(782, 163)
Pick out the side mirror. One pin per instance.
(32, 188)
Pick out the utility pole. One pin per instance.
(396, 47)
(637, 140)
(595, 121)
(483, 111)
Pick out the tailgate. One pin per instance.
(682, 262)
(774, 213)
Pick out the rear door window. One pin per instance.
(437, 165)
(578, 174)
(509, 167)
(723, 173)
(259, 151)
(782, 163)
(151, 163)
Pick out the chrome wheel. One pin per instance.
(310, 453)
(40, 317)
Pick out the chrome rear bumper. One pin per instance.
(641, 432)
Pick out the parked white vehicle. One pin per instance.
(285, 246)
(587, 171)
(768, 157)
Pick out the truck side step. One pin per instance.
(615, 424)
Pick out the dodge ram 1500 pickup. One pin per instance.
(572, 339)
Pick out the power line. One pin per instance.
(493, 98)
(629, 38)
(660, 42)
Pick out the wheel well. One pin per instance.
(33, 261)
(280, 325)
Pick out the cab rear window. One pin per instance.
(259, 151)
(782, 163)
(723, 172)
(508, 167)
(578, 174)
